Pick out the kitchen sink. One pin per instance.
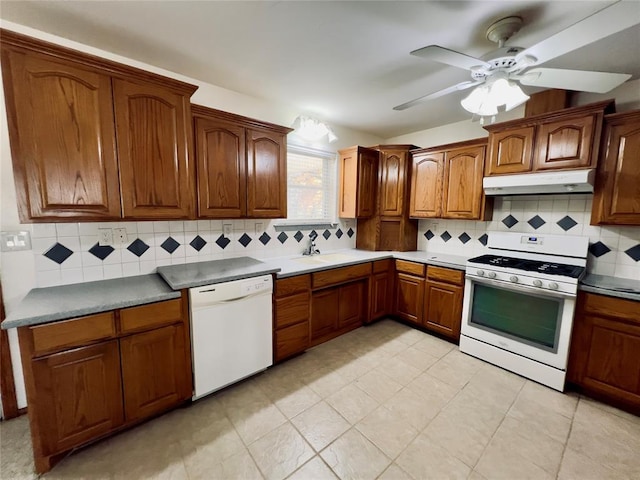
(322, 259)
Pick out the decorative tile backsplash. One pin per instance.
(70, 252)
(613, 250)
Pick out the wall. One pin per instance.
(561, 214)
(22, 271)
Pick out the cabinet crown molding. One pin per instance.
(475, 142)
(208, 112)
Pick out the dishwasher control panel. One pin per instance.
(255, 286)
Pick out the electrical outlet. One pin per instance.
(105, 237)
(227, 229)
(120, 236)
(14, 241)
(259, 228)
(434, 227)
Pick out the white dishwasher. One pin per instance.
(231, 332)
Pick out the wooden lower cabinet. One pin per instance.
(291, 340)
(381, 289)
(324, 313)
(442, 311)
(409, 298)
(291, 307)
(603, 357)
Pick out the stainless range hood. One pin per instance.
(565, 181)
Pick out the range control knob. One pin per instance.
(480, 273)
(553, 285)
(491, 274)
(537, 283)
(513, 279)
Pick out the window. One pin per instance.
(311, 185)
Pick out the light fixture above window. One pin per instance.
(497, 91)
(312, 129)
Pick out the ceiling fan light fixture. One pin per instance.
(479, 102)
(485, 99)
(312, 129)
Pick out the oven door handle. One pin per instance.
(521, 288)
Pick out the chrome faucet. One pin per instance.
(312, 249)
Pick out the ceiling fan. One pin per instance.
(497, 74)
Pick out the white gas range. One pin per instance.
(519, 303)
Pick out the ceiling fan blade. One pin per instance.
(610, 20)
(579, 80)
(450, 57)
(439, 93)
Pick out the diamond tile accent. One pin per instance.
(464, 238)
(58, 253)
(138, 247)
(101, 252)
(265, 238)
(429, 234)
(509, 221)
(170, 244)
(244, 240)
(446, 236)
(313, 233)
(339, 233)
(566, 223)
(198, 243)
(283, 237)
(634, 252)
(598, 249)
(536, 222)
(326, 234)
(483, 239)
(298, 236)
(350, 232)
(222, 241)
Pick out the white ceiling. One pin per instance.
(346, 62)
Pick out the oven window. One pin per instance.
(532, 319)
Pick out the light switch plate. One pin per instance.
(259, 228)
(227, 229)
(105, 237)
(15, 241)
(120, 236)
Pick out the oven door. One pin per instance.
(524, 320)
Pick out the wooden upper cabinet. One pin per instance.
(393, 174)
(62, 139)
(358, 180)
(426, 185)
(152, 126)
(462, 187)
(565, 143)
(616, 198)
(511, 151)
(266, 174)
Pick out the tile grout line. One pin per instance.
(566, 443)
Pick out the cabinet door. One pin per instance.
(393, 173)
(367, 181)
(443, 308)
(156, 371)
(409, 297)
(351, 304)
(565, 143)
(154, 141)
(291, 340)
(358, 178)
(463, 196)
(380, 295)
(221, 165)
(324, 313)
(426, 185)
(511, 151)
(79, 395)
(266, 174)
(62, 138)
(617, 193)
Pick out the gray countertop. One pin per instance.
(611, 286)
(216, 271)
(43, 305)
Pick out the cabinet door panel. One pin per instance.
(463, 194)
(64, 148)
(154, 135)
(409, 297)
(367, 180)
(511, 151)
(380, 295)
(155, 373)
(426, 185)
(565, 143)
(221, 164)
(324, 313)
(392, 183)
(83, 395)
(443, 308)
(291, 340)
(350, 304)
(266, 174)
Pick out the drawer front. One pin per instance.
(293, 309)
(291, 285)
(341, 275)
(144, 317)
(291, 340)
(618, 308)
(446, 275)
(58, 336)
(410, 267)
(382, 265)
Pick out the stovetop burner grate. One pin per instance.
(547, 268)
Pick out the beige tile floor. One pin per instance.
(384, 401)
